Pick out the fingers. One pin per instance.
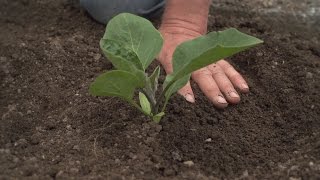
(224, 83)
(235, 77)
(187, 93)
(207, 84)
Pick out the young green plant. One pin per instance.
(131, 43)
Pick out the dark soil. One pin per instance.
(52, 128)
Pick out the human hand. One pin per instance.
(217, 81)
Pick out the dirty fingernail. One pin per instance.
(221, 100)
(233, 94)
(189, 98)
(244, 86)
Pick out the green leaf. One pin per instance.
(200, 52)
(116, 83)
(121, 58)
(157, 118)
(152, 81)
(136, 34)
(175, 86)
(144, 103)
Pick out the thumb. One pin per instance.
(187, 93)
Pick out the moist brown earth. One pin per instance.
(51, 128)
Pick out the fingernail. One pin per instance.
(244, 86)
(189, 98)
(221, 100)
(233, 94)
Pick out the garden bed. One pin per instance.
(52, 128)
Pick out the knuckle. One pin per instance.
(212, 91)
(236, 77)
(223, 62)
(225, 65)
(227, 88)
(216, 70)
(217, 73)
(229, 68)
(201, 72)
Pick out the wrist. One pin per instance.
(189, 17)
(177, 26)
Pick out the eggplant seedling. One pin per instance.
(131, 43)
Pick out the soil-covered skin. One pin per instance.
(51, 128)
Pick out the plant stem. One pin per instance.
(163, 95)
(164, 106)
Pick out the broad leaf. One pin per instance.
(122, 59)
(137, 34)
(116, 83)
(175, 86)
(144, 103)
(200, 52)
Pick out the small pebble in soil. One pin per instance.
(267, 4)
(294, 178)
(158, 128)
(132, 156)
(7, 151)
(176, 156)
(65, 119)
(52, 172)
(188, 163)
(245, 174)
(295, 167)
(21, 143)
(117, 161)
(76, 147)
(155, 158)
(16, 160)
(69, 133)
(116, 177)
(74, 170)
(78, 131)
(208, 140)
(15, 56)
(35, 139)
(149, 140)
(59, 174)
(259, 54)
(50, 125)
(169, 172)
(309, 75)
(212, 120)
(2, 58)
(97, 56)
